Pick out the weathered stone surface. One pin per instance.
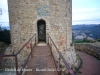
(24, 15)
(88, 48)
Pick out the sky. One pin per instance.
(83, 12)
(4, 7)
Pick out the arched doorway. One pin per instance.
(41, 27)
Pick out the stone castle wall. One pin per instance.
(23, 17)
(24, 14)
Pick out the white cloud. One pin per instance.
(84, 10)
(4, 7)
(90, 15)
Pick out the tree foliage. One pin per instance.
(5, 36)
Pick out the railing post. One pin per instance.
(35, 39)
(51, 45)
(59, 59)
(16, 60)
(48, 41)
(60, 67)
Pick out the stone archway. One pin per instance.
(41, 29)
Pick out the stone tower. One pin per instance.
(55, 16)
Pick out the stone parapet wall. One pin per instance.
(88, 48)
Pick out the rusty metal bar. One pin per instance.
(63, 59)
(16, 61)
(15, 55)
(59, 66)
(48, 41)
(20, 73)
(53, 56)
(60, 72)
(33, 46)
(10, 55)
(25, 44)
(35, 39)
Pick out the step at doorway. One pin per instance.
(41, 44)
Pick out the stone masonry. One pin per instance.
(90, 49)
(24, 15)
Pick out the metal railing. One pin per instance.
(60, 57)
(15, 55)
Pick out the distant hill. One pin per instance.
(83, 25)
(92, 30)
(5, 27)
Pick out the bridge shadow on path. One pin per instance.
(42, 60)
(90, 66)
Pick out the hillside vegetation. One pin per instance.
(86, 33)
(5, 36)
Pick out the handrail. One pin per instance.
(25, 45)
(20, 73)
(15, 55)
(8, 55)
(61, 56)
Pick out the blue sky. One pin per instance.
(3, 6)
(86, 11)
(83, 11)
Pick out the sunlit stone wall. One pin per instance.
(23, 17)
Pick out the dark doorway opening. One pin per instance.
(41, 26)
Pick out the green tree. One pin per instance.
(5, 35)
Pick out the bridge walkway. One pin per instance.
(42, 60)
